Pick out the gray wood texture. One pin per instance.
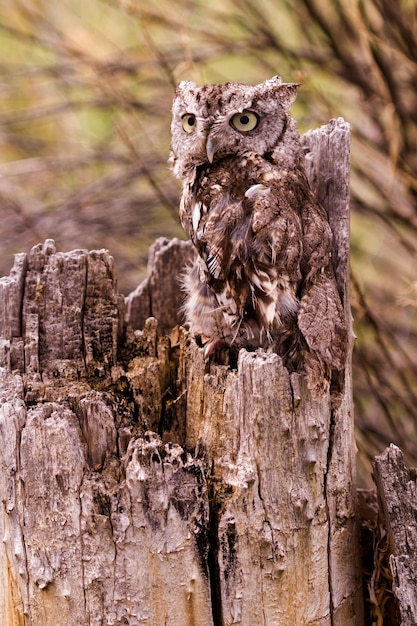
(397, 492)
(142, 485)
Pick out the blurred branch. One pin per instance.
(147, 172)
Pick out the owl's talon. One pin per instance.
(212, 346)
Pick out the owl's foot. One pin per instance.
(212, 346)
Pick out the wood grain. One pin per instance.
(396, 486)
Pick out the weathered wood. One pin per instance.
(268, 464)
(101, 522)
(241, 510)
(160, 295)
(328, 167)
(397, 493)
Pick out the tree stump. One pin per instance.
(397, 492)
(142, 485)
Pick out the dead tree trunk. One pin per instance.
(397, 493)
(140, 485)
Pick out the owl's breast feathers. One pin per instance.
(243, 219)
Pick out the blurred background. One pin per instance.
(86, 90)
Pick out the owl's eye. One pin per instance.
(189, 122)
(245, 121)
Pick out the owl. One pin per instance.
(263, 274)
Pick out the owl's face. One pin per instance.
(215, 121)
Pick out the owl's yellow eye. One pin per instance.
(245, 121)
(189, 122)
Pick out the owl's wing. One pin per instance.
(277, 230)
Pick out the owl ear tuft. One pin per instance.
(270, 83)
(185, 85)
(287, 92)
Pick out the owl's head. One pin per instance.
(215, 121)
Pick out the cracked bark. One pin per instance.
(141, 485)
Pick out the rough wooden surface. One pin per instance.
(397, 493)
(101, 522)
(160, 295)
(268, 460)
(328, 167)
(142, 485)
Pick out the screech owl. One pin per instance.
(263, 275)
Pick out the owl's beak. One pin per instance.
(211, 148)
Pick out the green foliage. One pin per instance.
(85, 116)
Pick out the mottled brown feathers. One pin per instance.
(263, 275)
